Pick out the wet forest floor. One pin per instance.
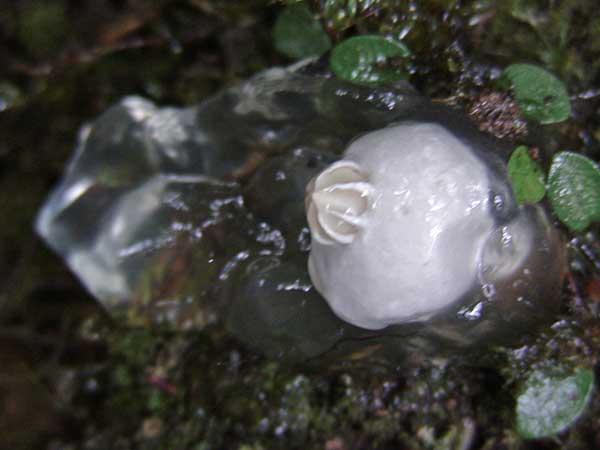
(72, 378)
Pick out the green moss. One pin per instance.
(43, 26)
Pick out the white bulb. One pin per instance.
(398, 225)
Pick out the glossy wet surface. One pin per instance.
(190, 218)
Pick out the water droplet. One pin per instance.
(489, 290)
(473, 313)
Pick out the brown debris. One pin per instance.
(125, 26)
(593, 289)
(335, 444)
(497, 113)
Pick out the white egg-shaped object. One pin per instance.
(399, 225)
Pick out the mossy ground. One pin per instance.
(72, 379)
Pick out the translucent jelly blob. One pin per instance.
(194, 218)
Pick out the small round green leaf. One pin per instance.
(551, 404)
(365, 59)
(574, 190)
(540, 95)
(298, 35)
(526, 176)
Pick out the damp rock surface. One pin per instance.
(194, 217)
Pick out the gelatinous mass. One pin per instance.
(409, 222)
(195, 218)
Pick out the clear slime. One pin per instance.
(194, 218)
